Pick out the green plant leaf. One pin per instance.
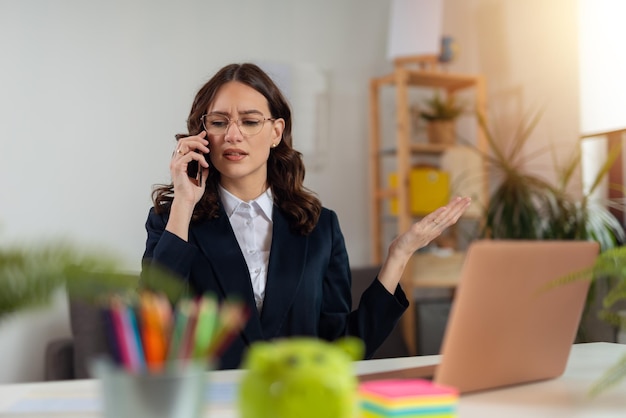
(612, 156)
(524, 130)
(610, 378)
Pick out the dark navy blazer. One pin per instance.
(308, 281)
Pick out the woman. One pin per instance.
(238, 222)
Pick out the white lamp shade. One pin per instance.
(415, 28)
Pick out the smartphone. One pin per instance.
(193, 170)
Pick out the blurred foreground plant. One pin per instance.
(609, 264)
(29, 276)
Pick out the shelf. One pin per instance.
(403, 150)
(419, 148)
(431, 79)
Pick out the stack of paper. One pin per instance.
(407, 398)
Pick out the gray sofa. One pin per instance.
(68, 358)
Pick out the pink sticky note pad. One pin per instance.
(403, 388)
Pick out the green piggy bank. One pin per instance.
(300, 378)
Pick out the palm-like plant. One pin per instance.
(525, 206)
(519, 204)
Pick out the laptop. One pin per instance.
(505, 327)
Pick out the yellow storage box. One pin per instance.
(429, 189)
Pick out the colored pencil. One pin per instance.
(232, 318)
(205, 326)
(152, 332)
(117, 309)
(148, 333)
(135, 347)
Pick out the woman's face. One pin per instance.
(241, 158)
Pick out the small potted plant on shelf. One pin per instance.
(440, 114)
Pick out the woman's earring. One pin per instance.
(274, 145)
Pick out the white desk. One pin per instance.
(562, 397)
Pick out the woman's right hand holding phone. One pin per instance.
(187, 190)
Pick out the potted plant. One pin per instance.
(525, 206)
(440, 115)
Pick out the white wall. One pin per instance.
(92, 93)
(602, 84)
(602, 66)
(528, 52)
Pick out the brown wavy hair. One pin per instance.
(285, 168)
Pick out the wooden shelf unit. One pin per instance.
(402, 79)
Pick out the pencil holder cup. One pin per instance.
(177, 392)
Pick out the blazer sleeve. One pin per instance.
(378, 310)
(165, 249)
(377, 315)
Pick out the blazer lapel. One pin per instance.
(285, 271)
(217, 241)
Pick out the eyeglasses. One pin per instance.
(248, 125)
